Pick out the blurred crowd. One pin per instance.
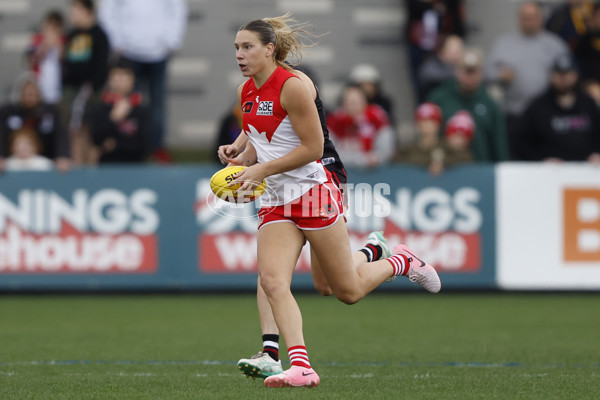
(94, 87)
(533, 96)
(94, 90)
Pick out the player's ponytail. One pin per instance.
(288, 37)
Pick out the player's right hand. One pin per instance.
(227, 152)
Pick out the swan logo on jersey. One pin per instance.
(248, 107)
(265, 108)
(255, 132)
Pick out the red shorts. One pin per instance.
(318, 208)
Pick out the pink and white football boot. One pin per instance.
(294, 377)
(421, 272)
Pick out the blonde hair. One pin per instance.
(288, 37)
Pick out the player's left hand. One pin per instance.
(246, 158)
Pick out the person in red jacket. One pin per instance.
(361, 131)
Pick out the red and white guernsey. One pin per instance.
(270, 131)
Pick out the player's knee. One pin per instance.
(273, 285)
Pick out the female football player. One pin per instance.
(283, 127)
(266, 362)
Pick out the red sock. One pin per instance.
(400, 263)
(299, 356)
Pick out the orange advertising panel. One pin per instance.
(581, 225)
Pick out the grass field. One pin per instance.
(412, 346)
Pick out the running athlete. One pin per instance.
(266, 362)
(283, 127)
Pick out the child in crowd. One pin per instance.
(44, 56)
(429, 149)
(27, 110)
(120, 129)
(85, 67)
(426, 150)
(459, 132)
(25, 150)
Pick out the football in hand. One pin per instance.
(219, 184)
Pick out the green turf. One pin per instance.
(413, 346)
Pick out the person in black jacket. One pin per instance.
(562, 124)
(588, 56)
(119, 124)
(28, 111)
(85, 67)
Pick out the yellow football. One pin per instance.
(219, 184)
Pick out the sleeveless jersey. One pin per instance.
(270, 131)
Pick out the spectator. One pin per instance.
(27, 110)
(520, 64)
(147, 33)
(369, 79)
(85, 66)
(427, 23)
(466, 92)
(588, 51)
(429, 150)
(120, 122)
(426, 150)
(569, 20)
(44, 56)
(361, 131)
(562, 124)
(25, 152)
(459, 132)
(440, 66)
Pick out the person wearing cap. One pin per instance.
(458, 135)
(563, 123)
(369, 78)
(467, 92)
(519, 63)
(428, 149)
(423, 150)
